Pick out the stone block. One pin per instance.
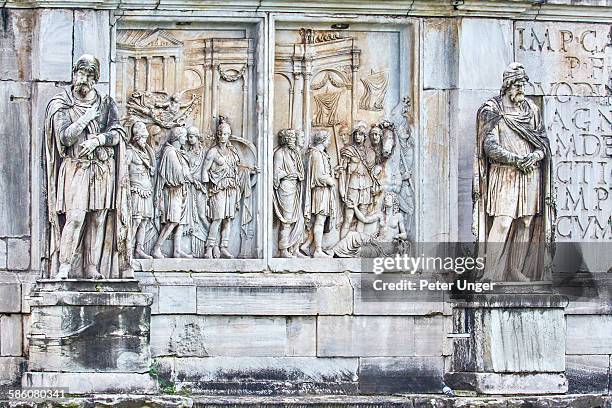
(52, 45)
(10, 293)
(18, 254)
(266, 375)
(589, 334)
(483, 43)
(440, 53)
(92, 36)
(273, 294)
(10, 370)
(417, 303)
(3, 254)
(587, 374)
(429, 335)
(16, 44)
(390, 375)
(177, 299)
(78, 383)
(364, 336)
(508, 384)
(28, 282)
(203, 336)
(14, 159)
(11, 335)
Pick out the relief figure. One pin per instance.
(198, 223)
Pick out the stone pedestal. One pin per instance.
(509, 344)
(90, 336)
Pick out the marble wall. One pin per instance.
(260, 324)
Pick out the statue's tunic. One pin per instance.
(223, 188)
(142, 169)
(173, 183)
(359, 164)
(322, 198)
(196, 164)
(511, 192)
(288, 193)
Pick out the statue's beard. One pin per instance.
(83, 88)
(517, 97)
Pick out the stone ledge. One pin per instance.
(508, 384)
(87, 383)
(403, 401)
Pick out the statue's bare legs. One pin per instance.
(138, 226)
(163, 235)
(226, 228)
(520, 248)
(346, 223)
(318, 237)
(498, 235)
(69, 241)
(212, 242)
(94, 242)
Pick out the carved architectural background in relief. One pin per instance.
(189, 79)
(348, 90)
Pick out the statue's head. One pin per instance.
(514, 80)
(320, 137)
(391, 201)
(193, 135)
(140, 134)
(178, 134)
(360, 130)
(375, 135)
(299, 138)
(224, 130)
(287, 137)
(85, 74)
(344, 132)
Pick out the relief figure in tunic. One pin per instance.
(221, 173)
(288, 176)
(513, 185)
(87, 181)
(355, 169)
(173, 183)
(140, 159)
(320, 200)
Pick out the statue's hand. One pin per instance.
(88, 146)
(350, 204)
(91, 113)
(527, 163)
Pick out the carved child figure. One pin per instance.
(172, 186)
(287, 180)
(320, 192)
(140, 159)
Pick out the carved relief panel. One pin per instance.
(190, 94)
(344, 141)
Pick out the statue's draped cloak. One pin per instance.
(527, 124)
(116, 254)
(288, 193)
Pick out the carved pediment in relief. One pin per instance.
(139, 39)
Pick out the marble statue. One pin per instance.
(87, 181)
(173, 183)
(140, 159)
(355, 169)
(344, 133)
(198, 199)
(513, 184)
(320, 200)
(227, 183)
(288, 175)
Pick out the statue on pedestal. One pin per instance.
(513, 185)
(140, 159)
(173, 183)
(198, 224)
(288, 175)
(87, 181)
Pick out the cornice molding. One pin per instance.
(563, 10)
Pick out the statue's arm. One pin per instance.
(68, 132)
(366, 219)
(279, 174)
(494, 150)
(402, 228)
(208, 161)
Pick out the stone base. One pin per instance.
(88, 383)
(508, 384)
